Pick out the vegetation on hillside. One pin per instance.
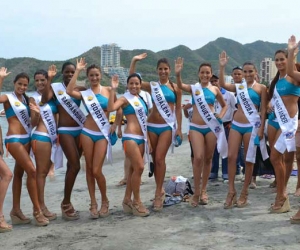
(237, 52)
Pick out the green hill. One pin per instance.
(237, 52)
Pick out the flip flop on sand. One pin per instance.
(294, 220)
(122, 183)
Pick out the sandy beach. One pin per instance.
(176, 227)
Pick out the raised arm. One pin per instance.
(134, 60)
(48, 91)
(223, 59)
(3, 74)
(178, 68)
(292, 48)
(81, 65)
(113, 104)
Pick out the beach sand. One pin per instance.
(176, 227)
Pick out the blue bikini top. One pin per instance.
(53, 106)
(103, 101)
(168, 93)
(129, 110)
(210, 97)
(286, 88)
(254, 96)
(10, 112)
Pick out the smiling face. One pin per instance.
(237, 75)
(204, 74)
(249, 72)
(68, 73)
(40, 81)
(94, 76)
(163, 71)
(134, 85)
(21, 85)
(280, 61)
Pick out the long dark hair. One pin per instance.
(23, 75)
(276, 78)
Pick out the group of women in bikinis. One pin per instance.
(61, 127)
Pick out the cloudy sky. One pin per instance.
(62, 29)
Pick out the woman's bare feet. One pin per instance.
(297, 193)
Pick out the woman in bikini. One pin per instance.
(17, 142)
(284, 94)
(134, 139)
(5, 173)
(44, 137)
(164, 122)
(203, 127)
(247, 128)
(70, 123)
(40, 79)
(95, 133)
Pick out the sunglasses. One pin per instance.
(237, 67)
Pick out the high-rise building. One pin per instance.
(267, 70)
(110, 55)
(110, 62)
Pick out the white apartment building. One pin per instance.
(110, 62)
(110, 55)
(268, 70)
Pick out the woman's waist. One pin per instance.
(133, 130)
(240, 117)
(156, 118)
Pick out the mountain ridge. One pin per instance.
(238, 53)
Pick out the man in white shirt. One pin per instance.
(227, 118)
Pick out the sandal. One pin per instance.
(293, 220)
(4, 227)
(158, 202)
(243, 200)
(203, 198)
(138, 209)
(68, 212)
(122, 182)
(18, 218)
(192, 201)
(93, 211)
(284, 206)
(39, 219)
(104, 212)
(127, 207)
(50, 216)
(230, 200)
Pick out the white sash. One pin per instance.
(288, 125)
(209, 118)
(164, 108)
(37, 97)
(253, 117)
(20, 110)
(141, 116)
(99, 117)
(49, 121)
(67, 103)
